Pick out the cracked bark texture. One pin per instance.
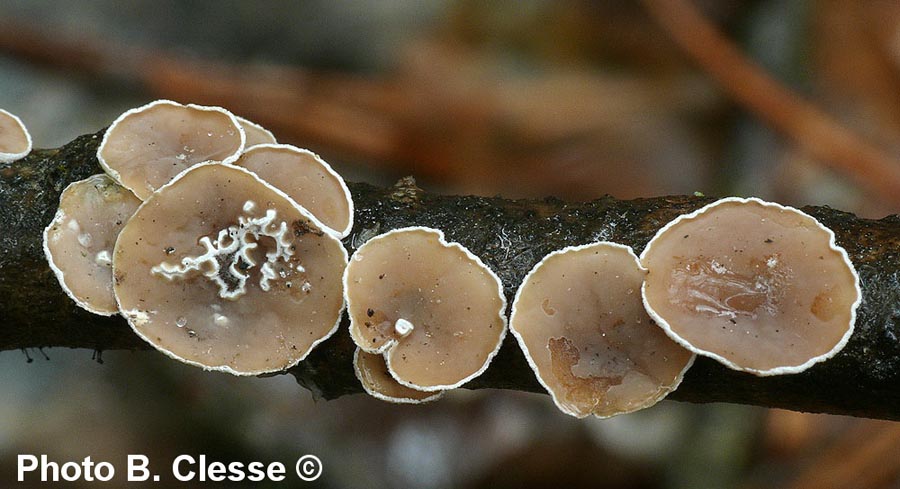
(511, 236)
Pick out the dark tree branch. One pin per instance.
(511, 236)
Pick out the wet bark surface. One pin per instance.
(511, 236)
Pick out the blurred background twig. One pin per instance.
(820, 135)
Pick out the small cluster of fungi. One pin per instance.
(757, 286)
(222, 249)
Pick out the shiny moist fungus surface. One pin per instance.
(79, 242)
(579, 319)
(373, 374)
(148, 146)
(15, 141)
(306, 178)
(432, 308)
(758, 286)
(255, 134)
(219, 269)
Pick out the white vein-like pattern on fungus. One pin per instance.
(227, 259)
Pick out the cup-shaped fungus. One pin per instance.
(759, 287)
(432, 308)
(255, 133)
(579, 319)
(372, 372)
(221, 270)
(307, 179)
(15, 141)
(79, 242)
(148, 146)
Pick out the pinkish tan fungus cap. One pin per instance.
(79, 242)
(255, 133)
(220, 270)
(758, 286)
(431, 307)
(146, 147)
(373, 374)
(307, 179)
(15, 141)
(579, 319)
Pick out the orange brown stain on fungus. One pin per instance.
(581, 391)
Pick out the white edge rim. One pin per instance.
(533, 364)
(339, 233)
(387, 347)
(383, 397)
(11, 157)
(226, 368)
(118, 177)
(244, 121)
(788, 369)
(60, 275)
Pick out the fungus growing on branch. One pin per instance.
(79, 242)
(376, 380)
(307, 179)
(148, 146)
(432, 308)
(579, 319)
(760, 287)
(15, 140)
(221, 270)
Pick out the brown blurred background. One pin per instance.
(795, 101)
